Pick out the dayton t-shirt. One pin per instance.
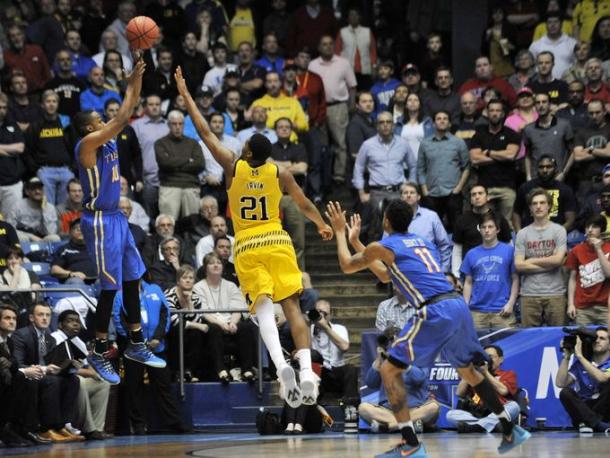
(491, 270)
(534, 242)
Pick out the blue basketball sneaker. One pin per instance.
(519, 436)
(104, 368)
(139, 352)
(405, 450)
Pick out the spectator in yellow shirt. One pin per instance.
(279, 105)
(586, 14)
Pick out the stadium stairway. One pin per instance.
(354, 298)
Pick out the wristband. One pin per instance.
(487, 153)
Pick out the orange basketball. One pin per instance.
(142, 32)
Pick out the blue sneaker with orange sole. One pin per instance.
(403, 450)
(519, 436)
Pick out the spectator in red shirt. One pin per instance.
(308, 24)
(589, 287)
(30, 59)
(596, 88)
(484, 78)
(471, 415)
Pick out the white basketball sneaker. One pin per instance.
(289, 389)
(309, 387)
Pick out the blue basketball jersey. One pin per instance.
(416, 270)
(102, 183)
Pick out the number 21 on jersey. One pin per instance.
(427, 258)
(253, 208)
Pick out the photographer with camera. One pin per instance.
(424, 408)
(472, 415)
(331, 340)
(586, 384)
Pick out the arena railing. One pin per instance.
(180, 313)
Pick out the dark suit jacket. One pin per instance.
(24, 345)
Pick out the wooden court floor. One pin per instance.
(333, 445)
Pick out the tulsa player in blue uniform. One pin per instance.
(442, 323)
(105, 229)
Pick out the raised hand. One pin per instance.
(336, 216)
(353, 228)
(137, 72)
(180, 82)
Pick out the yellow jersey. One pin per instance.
(254, 196)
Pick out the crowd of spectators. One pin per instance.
(352, 100)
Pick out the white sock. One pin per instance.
(304, 357)
(268, 329)
(408, 423)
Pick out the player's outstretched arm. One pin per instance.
(353, 235)
(306, 206)
(222, 155)
(91, 142)
(372, 256)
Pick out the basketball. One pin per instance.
(142, 32)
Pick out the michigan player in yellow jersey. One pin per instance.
(265, 259)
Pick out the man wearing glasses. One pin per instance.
(384, 157)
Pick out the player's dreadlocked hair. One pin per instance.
(399, 214)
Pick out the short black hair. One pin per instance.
(110, 102)
(441, 112)
(63, 316)
(597, 221)
(221, 237)
(81, 120)
(547, 157)
(7, 307)
(490, 216)
(260, 147)
(399, 214)
(499, 351)
(496, 102)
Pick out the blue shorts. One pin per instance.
(444, 327)
(111, 245)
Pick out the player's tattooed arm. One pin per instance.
(222, 154)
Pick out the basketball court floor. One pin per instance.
(328, 445)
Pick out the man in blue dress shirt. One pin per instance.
(385, 157)
(426, 223)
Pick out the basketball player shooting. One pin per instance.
(442, 323)
(105, 230)
(265, 259)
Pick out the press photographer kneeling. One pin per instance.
(586, 384)
(424, 408)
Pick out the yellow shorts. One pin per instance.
(266, 263)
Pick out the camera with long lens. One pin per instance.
(314, 316)
(385, 339)
(587, 336)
